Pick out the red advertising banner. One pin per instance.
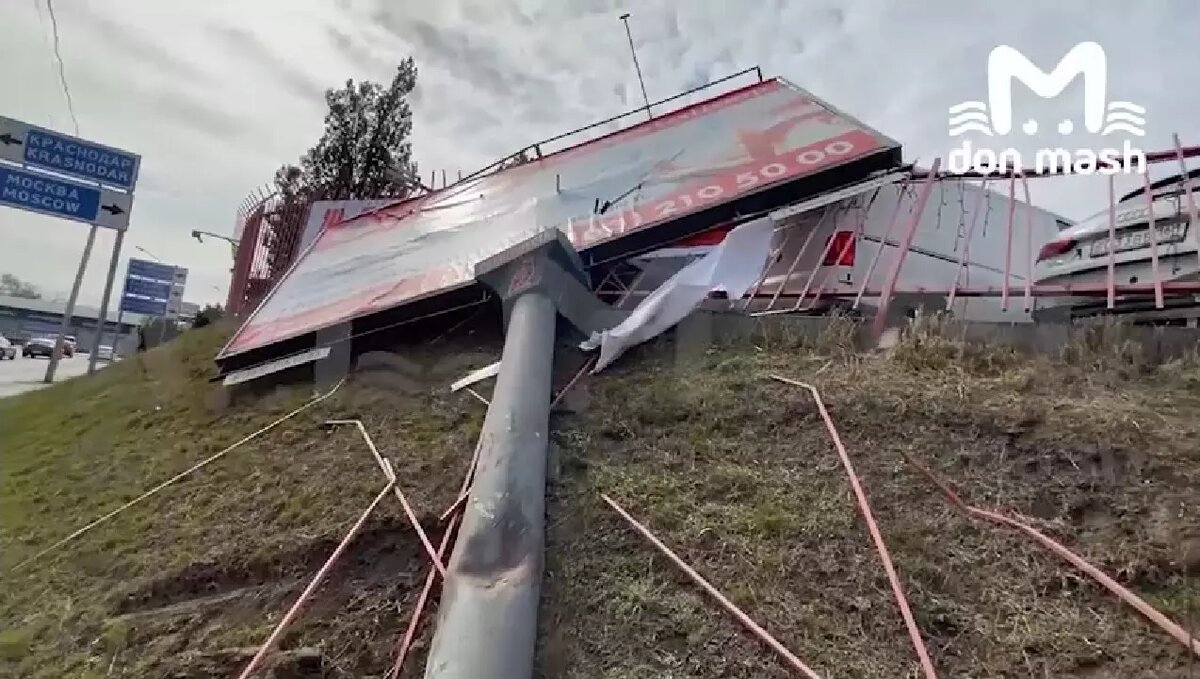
(675, 165)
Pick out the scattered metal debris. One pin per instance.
(294, 611)
(864, 507)
(178, 477)
(1177, 632)
(746, 621)
(390, 473)
(454, 515)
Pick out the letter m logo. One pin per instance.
(1006, 63)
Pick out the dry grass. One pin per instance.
(737, 473)
(179, 585)
(733, 470)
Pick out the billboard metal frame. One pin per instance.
(885, 156)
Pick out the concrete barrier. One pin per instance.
(1145, 344)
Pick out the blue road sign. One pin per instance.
(46, 149)
(151, 270)
(40, 193)
(152, 289)
(141, 305)
(56, 197)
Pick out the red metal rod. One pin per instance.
(178, 477)
(405, 644)
(820, 259)
(1163, 622)
(787, 277)
(1112, 241)
(1193, 214)
(583, 369)
(414, 622)
(1158, 291)
(962, 254)
(416, 524)
(637, 280)
(1012, 207)
(864, 507)
(389, 471)
(746, 621)
(1086, 290)
(887, 232)
(288, 617)
(890, 284)
(775, 254)
(1029, 261)
(465, 491)
(858, 231)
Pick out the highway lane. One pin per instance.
(26, 374)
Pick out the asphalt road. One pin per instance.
(26, 374)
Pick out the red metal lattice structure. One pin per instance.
(1021, 254)
(1016, 262)
(271, 230)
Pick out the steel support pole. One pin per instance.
(637, 67)
(116, 340)
(103, 316)
(56, 355)
(487, 623)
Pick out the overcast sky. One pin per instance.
(215, 94)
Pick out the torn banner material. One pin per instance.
(733, 266)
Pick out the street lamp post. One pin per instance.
(233, 242)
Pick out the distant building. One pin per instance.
(22, 319)
(187, 312)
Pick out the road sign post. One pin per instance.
(78, 190)
(36, 192)
(153, 289)
(116, 340)
(108, 284)
(56, 355)
(38, 147)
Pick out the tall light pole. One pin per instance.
(233, 242)
(146, 252)
(636, 65)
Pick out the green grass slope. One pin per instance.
(181, 583)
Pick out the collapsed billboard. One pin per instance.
(610, 196)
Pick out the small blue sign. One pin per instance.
(141, 305)
(151, 289)
(78, 158)
(151, 270)
(48, 195)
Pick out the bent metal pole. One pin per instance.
(102, 317)
(69, 313)
(487, 623)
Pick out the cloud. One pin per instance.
(217, 94)
(353, 49)
(296, 81)
(145, 52)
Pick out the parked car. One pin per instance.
(38, 346)
(106, 353)
(69, 345)
(7, 350)
(1079, 256)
